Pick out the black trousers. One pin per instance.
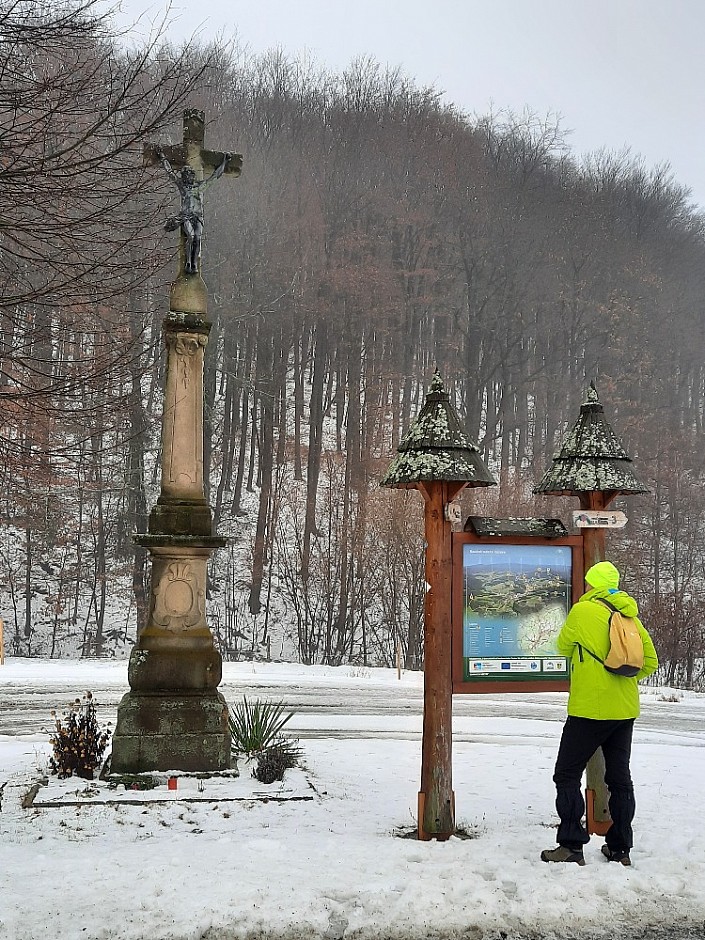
(581, 738)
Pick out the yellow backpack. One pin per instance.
(626, 652)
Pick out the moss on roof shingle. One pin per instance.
(591, 458)
(436, 448)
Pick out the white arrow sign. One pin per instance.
(599, 519)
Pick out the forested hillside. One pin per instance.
(375, 234)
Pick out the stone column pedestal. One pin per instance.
(171, 732)
(173, 717)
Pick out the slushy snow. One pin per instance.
(249, 861)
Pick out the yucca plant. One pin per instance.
(255, 726)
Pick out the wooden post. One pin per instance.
(436, 800)
(2, 643)
(597, 814)
(437, 458)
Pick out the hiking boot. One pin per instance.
(616, 855)
(563, 854)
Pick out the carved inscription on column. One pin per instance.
(179, 596)
(182, 471)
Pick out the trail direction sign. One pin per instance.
(599, 519)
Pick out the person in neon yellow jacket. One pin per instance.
(602, 708)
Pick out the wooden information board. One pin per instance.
(510, 596)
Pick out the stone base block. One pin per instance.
(181, 517)
(171, 732)
(174, 671)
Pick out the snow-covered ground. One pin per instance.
(234, 864)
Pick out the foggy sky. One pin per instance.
(620, 73)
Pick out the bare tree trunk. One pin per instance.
(137, 497)
(263, 387)
(315, 445)
(298, 409)
(28, 582)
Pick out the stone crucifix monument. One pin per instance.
(173, 717)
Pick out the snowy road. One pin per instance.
(25, 707)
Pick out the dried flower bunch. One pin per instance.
(78, 743)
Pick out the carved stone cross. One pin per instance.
(191, 151)
(193, 161)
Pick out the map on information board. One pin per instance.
(515, 600)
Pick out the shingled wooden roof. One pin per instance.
(591, 458)
(436, 448)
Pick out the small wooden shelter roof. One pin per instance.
(591, 458)
(436, 448)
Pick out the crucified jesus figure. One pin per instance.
(190, 218)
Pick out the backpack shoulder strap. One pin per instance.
(613, 609)
(590, 652)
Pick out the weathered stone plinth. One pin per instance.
(171, 731)
(189, 295)
(173, 516)
(173, 718)
(177, 670)
(177, 614)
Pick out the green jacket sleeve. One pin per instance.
(650, 656)
(567, 638)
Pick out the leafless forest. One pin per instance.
(375, 234)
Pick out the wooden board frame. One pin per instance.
(510, 683)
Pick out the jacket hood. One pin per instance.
(624, 603)
(602, 575)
